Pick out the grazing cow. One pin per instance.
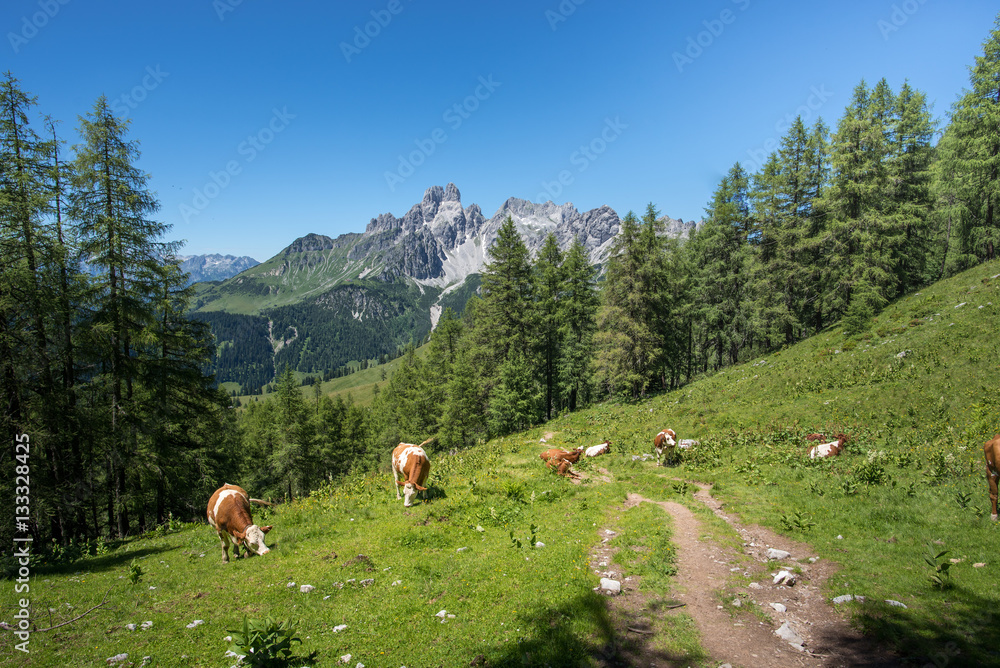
(410, 467)
(561, 460)
(991, 449)
(664, 444)
(831, 449)
(229, 515)
(598, 449)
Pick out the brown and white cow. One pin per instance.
(991, 450)
(831, 449)
(229, 515)
(599, 449)
(664, 445)
(561, 460)
(410, 463)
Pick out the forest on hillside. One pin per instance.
(103, 370)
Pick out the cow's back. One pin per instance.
(228, 503)
(408, 459)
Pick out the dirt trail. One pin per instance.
(735, 635)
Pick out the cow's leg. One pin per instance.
(224, 537)
(991, 476)
(395, 482)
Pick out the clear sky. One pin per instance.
(261, 121)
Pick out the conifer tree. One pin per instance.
(577, 324)
(548, 294)
(973, 162)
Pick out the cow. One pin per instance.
(229, 514)
(815, 437)
(831, 449)
(561, 460)
(599, 449)
(410, 467)
(991, 450)
(664, 444)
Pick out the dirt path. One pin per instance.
(732, 634)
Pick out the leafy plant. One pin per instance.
(796, 520)
(963, 499)
(532, 538)
(815, 488)
(680, 486)
(135, 572)
(939, 576)
(265, 643)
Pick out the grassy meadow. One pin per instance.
(916, 394)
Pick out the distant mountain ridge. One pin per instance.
(438, 243)
(327, 301)
(214, 267)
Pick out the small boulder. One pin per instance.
(785, 578)
(612, 586)
(305, 589)
(777, 554)
(779, 607)
(788, 634)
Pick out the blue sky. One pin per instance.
(262, 121)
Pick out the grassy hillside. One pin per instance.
(916, 394)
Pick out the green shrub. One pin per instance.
(265, 643)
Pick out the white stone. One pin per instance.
(737, 603)
(195, 623)
(755, 585)
(305, 589)
(786, 633)
(339, 628)
(131, 627)
(462, 549)
(610, 585)
(441, 614)
(345, 658)
(847, 598)
(290, 585)
(784, 577)
(146, 625)
(117, 658)
(539, 544)
(779, 607)
(777, 554)
(895, 604)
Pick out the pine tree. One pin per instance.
(548, 294)
(627, 347)
(111, 207)
(577, 324)
(973, 163)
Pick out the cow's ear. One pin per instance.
(400, 483)
(422, 489)
(266, 529)
(240, 535)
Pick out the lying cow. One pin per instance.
(410, 467)
(599, 449)
(831, 449)
(665, 445)
(561, 460)
(229, 515)
(991, 449)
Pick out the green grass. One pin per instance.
(910, 478)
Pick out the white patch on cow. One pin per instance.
(225, 494)
(822, 450)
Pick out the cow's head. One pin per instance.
(410, 490)
(253, 539)
(668, 437)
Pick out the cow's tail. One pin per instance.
(428, 441)
(261, 502)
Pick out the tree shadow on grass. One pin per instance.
(101, 563)
(619, 638)
(965, 633)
